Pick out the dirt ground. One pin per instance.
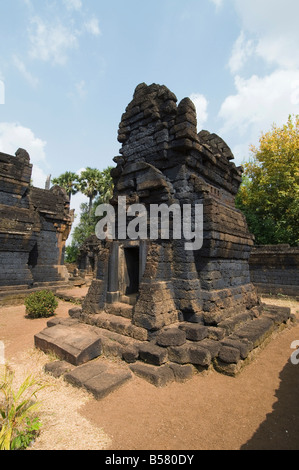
(259, 409)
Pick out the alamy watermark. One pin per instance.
(2, 92)
(295, 354)
(159, 222)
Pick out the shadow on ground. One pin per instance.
(280, 430)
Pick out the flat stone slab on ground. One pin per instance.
(58, 368)
(98, 378)
(156, 375)
(76, 344)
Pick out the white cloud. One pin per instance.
(50, 42)
(274, 25)
(279, 50)
(92, 26)
(217, 3)
(73, 4)
(14, 136)
(39, 177)
(269, 32)
(201, 105)
(258, 103)
(19, 64)
(242, 50)
(260, 100)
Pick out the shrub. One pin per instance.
(18, 424)
(41, 304)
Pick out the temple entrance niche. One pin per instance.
(131, 270)
(126, 268)
(33, 257)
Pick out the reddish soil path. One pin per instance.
(259, 409)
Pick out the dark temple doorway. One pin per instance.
(131, 270)
(33, 257)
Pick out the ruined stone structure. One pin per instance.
(87, 261)
(164, 160)
(166, 310)
(274, 269)
(34, 226)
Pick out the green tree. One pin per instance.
(105, 187)
(88, 184)
(269, 194)
(88, 220)
(68, 181)
(71, 253)
(86, 226)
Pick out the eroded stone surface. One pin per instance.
(76, 344)
(35, 224)
(98, 378)
(158, 376)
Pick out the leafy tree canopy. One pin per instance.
(93, 182)
(98, 186)
(67, 181)
(269, 194)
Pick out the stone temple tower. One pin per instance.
(164, 160)
(165, 309)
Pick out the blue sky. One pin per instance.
(68, 69)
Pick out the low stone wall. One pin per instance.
(274, 269)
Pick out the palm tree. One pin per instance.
(105, 186)
(88, 184)
(68, 181)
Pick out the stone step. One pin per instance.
(98, 377)
(73, 342)
(191, 353)
(194, 331)
(113, 344)
(129, 299)
(6, 289)
(168, 356)
(117, 324)
(232, 323)
(120, 309)
(55, 283)
(248, 337)
(160, 376)
(163, 375)
(116, 345)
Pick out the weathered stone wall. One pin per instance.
(34, 226)
(274, 269)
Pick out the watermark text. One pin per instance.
(156, 222)
(295, 354)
